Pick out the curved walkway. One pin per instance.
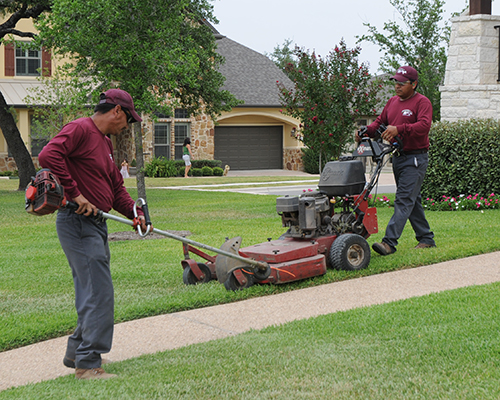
(43, 361)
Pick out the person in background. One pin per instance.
(187, 155)
(125, 169)
(81, 156)
(408, 116)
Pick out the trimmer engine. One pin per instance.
(44, 195)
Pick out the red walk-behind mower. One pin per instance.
(318, 235)
(326, 228)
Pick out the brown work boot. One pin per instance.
(92, 373)
(383, 248)
(424, 246)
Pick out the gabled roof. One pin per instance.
(250, 76)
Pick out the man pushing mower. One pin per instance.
(408, 116)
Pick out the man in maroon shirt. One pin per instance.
(408, 115)
(81, 156)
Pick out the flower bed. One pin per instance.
(463, 203)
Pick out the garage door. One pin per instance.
(249, 147)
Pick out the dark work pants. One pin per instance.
(409, 172)
(85, 243)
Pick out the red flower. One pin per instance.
(315, 118)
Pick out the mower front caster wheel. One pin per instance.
(350, 252)
(189, 278)
(232, 283)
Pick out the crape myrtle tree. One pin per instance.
(421, 42)
(13, 12)
(155, 50)
(330, 95)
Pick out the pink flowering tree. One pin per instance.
(330, 95)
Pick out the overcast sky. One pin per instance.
(314, 24)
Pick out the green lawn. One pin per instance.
(441, 346)
(36, 303)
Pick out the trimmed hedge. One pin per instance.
(218, 171)
(464, 159)
(162, 168)
(207, 171)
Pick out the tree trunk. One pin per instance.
(139, 158)
(25, 166)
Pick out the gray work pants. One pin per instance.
(85, 243)
(409, 172)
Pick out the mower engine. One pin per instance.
(313, 214)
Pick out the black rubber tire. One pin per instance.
(233, 284)
(349, 252)
(190, 279)
(261, 275)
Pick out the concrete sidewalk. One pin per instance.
(43, 361)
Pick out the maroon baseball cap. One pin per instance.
(121, 98)
(405, 73)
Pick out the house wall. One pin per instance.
(203, 131)
(22, 113)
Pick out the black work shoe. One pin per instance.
(424, 246)
(383, 249)
(92, 373)
(68, 362)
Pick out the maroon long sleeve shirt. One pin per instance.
(412, 117)
(81, 156)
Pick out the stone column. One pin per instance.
(470, 87)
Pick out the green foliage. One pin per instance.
(282, 56)
(310, 160)
(160, 168)
(196, 171)
(422, 43)
(218, 171)
(200, 163)
(464, 158)
(133, 163)
(207, 171)
(330, 95)
(65, 100)
(141, 45)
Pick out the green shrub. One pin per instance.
(160, 168)
(310, 159)
(464, 159)
(218, 171)
(196, 171)
(207, 171)
(200, 163)
(6, 173)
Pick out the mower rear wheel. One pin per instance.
(189, 278)
(232, 283)
(350, 252)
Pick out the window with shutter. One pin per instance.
(9, 60)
